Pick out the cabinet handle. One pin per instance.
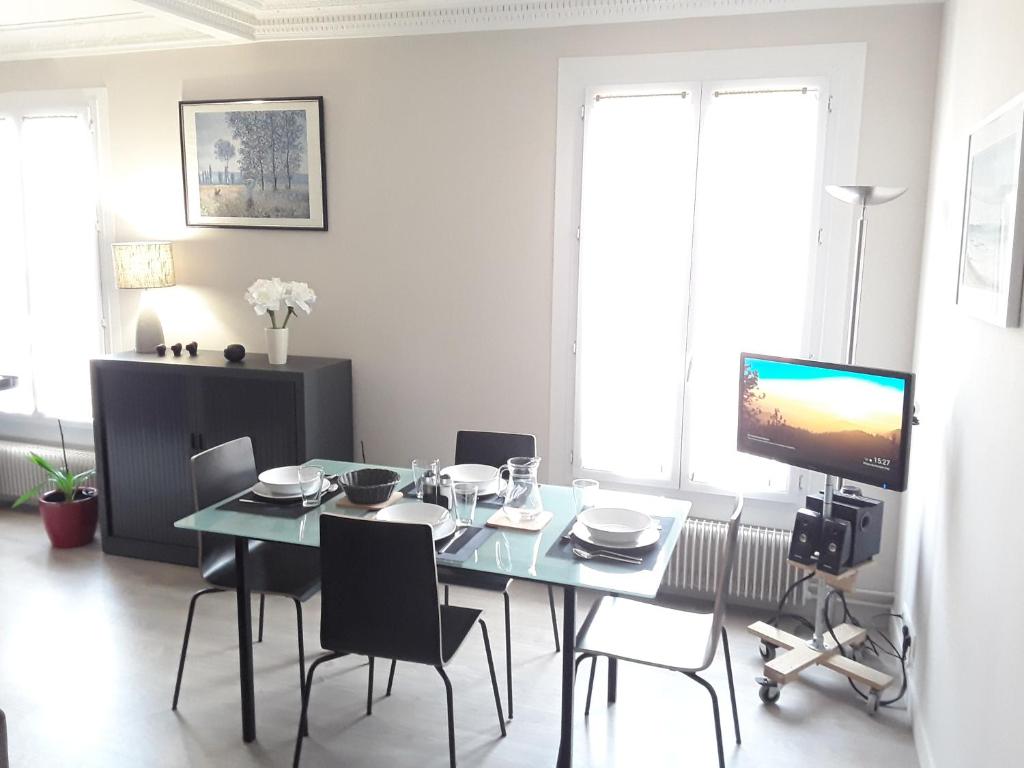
(192, 440)
(201, 446)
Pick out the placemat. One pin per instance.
(500, 520)
(562, 548)
(494, 502)
(465, 545)
(266, 508)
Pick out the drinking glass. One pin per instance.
(311, 481)
(465, 495)
(424, 470)
(584, 494)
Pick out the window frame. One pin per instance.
(839, 71)
(90, 103)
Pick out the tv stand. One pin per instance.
(822, 649)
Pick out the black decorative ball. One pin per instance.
(234, 352)
(176, 349)
(193, 348)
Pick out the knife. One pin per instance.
(455, 538)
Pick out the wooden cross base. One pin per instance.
(799, 655)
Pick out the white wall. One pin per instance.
(435, 277)
(962, 569)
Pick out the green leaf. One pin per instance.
(29, 494)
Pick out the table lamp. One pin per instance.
(145, 265)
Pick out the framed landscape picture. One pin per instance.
(254, 163)
(992, 242)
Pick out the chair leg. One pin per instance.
(306, 689)
(302, 645)
(732, 689)
(590, 685)
(369, 691)
(718, 721)
(451, 715)
(508, 653)
(184, 642)
(494, 679)
(259, 637)
(554, 618)
(579, 660)
(391, 676)
(613, 679)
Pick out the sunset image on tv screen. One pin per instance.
(808, 415)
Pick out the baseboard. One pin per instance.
(921, 741)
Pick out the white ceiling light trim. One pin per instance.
(161, 24)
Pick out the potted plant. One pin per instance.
(268, 297)
(69, 509)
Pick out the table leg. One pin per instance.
(245, 675)
(568, 675)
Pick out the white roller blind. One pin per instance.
(637, 204)
(48, 237)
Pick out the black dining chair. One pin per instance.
(272, 569)
(673, 639)
(494, 449)
(380, 600)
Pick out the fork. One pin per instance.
(584, 554)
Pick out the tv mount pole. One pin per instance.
(863, 197)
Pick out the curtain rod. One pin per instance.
(682, 94)
(766, 90)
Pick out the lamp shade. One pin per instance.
(143, 265)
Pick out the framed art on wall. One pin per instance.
(254, 163)
(992, 242)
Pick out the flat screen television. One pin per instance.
(841, 420)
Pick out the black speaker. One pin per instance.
(865, 518)
(803, 545)
(835, 545)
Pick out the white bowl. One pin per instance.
(485, 477)
(281, 481)
(613, 525)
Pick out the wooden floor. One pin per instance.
(89, 645)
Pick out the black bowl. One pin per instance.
(369, 486)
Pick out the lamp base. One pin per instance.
(148, 332)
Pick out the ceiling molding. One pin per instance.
(211, 17)
(162, 24)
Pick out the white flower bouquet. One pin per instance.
(270, 297)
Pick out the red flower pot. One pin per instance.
(69, 523)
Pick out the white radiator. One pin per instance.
(18, 474)
(760, 574)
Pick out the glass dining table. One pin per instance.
(544, 557)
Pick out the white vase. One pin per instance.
(277, 345)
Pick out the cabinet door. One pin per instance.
(263, 409)
(147, 443)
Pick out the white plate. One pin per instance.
(266, 492)
(484, 476)
(646, 538)
(420, 513)
(281, 480)
(615, 525)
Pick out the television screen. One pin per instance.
(841, 420)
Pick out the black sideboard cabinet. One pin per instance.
(151, 414)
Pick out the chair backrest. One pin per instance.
(727, 558)
(3, 741)
(492, 448)
(379, 582)
(217, 473)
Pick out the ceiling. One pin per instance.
(34, 29)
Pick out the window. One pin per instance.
(49, 261)
(701, 235)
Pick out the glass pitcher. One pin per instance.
(522, 492)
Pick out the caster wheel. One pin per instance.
(767, 650)
(873, 702)
(769, 692)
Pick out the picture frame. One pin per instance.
(989, 282)
(254, 163)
